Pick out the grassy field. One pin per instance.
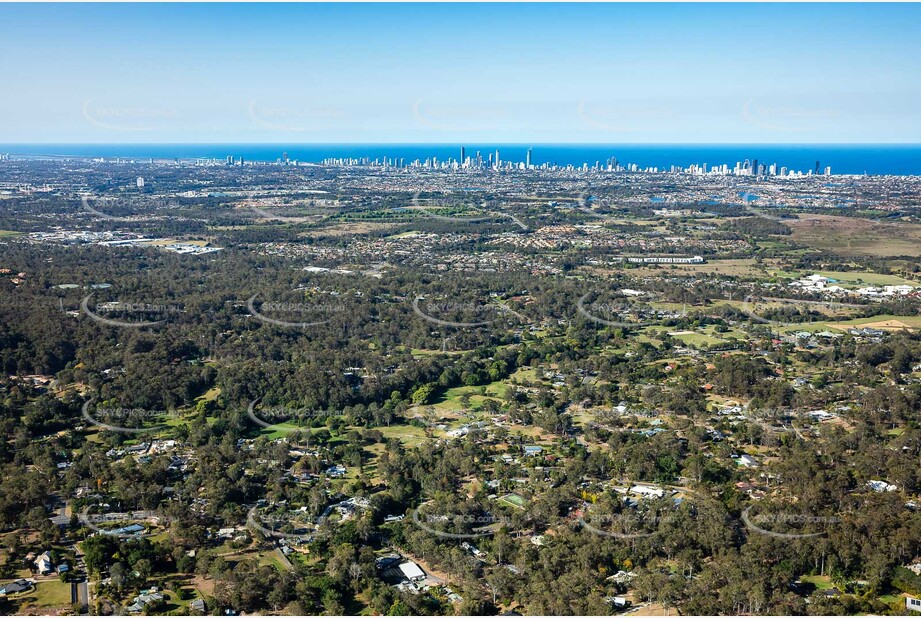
(47, 595)
(854, 236)
(697, 339)
(210, 395)
(450, 400)
(821, 582)
(881, 321)
(524, 374)
(282, 430)
(349, 228)
(889, 599)
(409, 435)
(885, 322)
(8, 233)
(708, 336)
(271, 558)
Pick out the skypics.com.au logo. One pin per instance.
(788, 525)
(122, 419)
(291, 119)
(284, 314)
(279, 522)
(287, 419)
(629, 524)
(129, 525)
(147, 207)
(786, 312)
(595, 206)
(463, 314)
(121, 311)
(261, 205)
(470, 523)
(126, 118)
(627, 311)
(442, 208)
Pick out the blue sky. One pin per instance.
(541, 73)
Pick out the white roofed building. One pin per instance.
(412, 571)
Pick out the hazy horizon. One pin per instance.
(453, 73)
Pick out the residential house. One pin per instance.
(881, 486)
(747, 461)
(131, 529)
(143, 600)
(43, 564)
(20, 585)
(648, 491)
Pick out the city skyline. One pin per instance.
(549, 73)
(779, 160)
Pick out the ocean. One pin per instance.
(882, 159)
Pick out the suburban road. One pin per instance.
(79, 590)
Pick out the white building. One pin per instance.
(666, 260)
(43, 563)
(411, 571)
(748, 461)
(648, 491)
(881, 486)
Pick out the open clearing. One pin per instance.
(853, 236)
(883, 322)
(346, 229)
(886, 323)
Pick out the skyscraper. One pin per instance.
(463, 155)
(528, 160)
